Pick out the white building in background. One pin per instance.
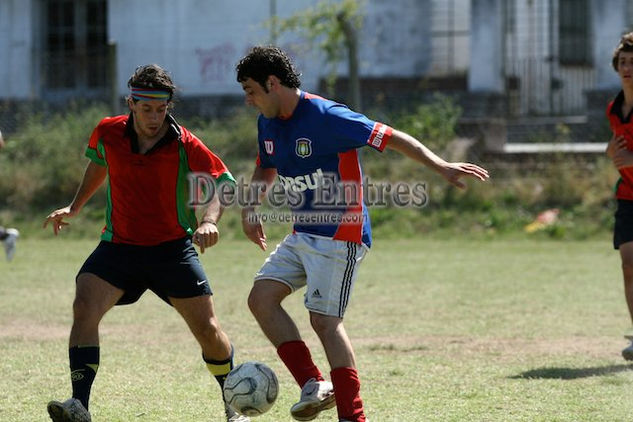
(538, 56)
(57, 48)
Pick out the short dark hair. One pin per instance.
(625, 44)
(152, 76)
(263, 61)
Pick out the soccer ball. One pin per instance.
(251, 388)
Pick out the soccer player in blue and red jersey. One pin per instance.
(620, 150)
(311, 143)
(147, 242)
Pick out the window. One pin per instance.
(75, 46)
(573, 22)
(450, 35)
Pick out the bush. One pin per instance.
(43, 163)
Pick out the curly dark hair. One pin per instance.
(152, 76)
(625, 44)
(263, 61)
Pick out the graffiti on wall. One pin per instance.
(216, 63)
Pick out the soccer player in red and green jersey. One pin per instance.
(620, 150)
(148, 238)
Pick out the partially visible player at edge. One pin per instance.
(150, 230)
(8, 236)
(620, 150)
(302, 136)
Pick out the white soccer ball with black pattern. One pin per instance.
(251, 388)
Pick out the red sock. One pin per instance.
(296, 356)
(347, 392)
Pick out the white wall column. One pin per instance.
(486, 47)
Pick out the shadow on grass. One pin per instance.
(572, 373)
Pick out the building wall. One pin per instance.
(201, 41)
(16, 42)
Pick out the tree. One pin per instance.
(332, 27)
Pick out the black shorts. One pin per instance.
(171, 269)
(623, 231)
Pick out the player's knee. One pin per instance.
(255, 302)
(324, 324)
(627, 270)
(83, 309)
(211, 329)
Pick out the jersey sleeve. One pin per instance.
(95, 149)
(355, 130)
(202, 160)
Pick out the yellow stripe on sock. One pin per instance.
(218, 370)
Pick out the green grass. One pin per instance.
(444, 330)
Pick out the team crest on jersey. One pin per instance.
(269, 146)
(304, 147)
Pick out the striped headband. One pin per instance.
(145, 94)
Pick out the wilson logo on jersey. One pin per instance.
(379, 136)
(302, 183)
(269, 146)
(304, 147)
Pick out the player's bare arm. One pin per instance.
(207, 233)
(93, 177)
(254, 230)
(452, 172)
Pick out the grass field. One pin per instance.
(513, 330)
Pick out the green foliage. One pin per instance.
(43, 163)
(433, 123)
(233, 138)
(320, 26)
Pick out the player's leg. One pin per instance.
(217, 351)
(264, 301)
(199, 314)
(282, 274)
(340, 355)
(93, 298)
(178, 278)
(9, 237)
(332, 267)
(626, 253)
(108, 277)
(623, 240)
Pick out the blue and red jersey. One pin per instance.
(622, 126)
(315, 151)
(148, 194)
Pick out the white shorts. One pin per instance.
(326, 266)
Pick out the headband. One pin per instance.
(144, 94)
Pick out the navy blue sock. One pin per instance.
(84, 362)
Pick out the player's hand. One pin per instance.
(623, 158)
(253, 228)
(616, 143)
(206, 235)
(453, 172)
(56, 218)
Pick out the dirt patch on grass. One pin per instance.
(25, 329)
(500, 348)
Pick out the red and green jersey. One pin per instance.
(622, 126)
(148, 194)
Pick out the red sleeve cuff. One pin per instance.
(380, 135)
